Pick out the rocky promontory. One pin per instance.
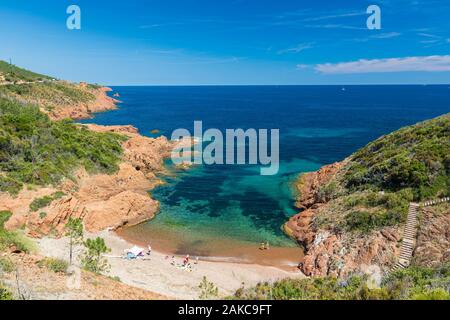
(329, 250)
(101, 200)
(352, 212)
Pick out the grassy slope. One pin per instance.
(13, 73)
(375, 187)
(39, 90)
(48, 95)
(415, 157)
(37, 151)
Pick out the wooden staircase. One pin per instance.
(410, 233)
(409, 238)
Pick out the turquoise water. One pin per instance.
(318, 125)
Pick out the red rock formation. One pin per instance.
(329, 251)
(102, 102)
(433, 241)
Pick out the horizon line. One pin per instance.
(273, 85)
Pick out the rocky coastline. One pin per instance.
(328, 250)
(102, 201)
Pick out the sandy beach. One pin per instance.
(156, 274)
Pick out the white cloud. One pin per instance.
(159, 25)
(429, 41)
(299, 48)
(386, 35)
(334, 16)
(425, 63)
(333, 26)
(428, 35)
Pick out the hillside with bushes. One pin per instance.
(57, 98)
(12, 73)
(414, 283)
(353, 211)
(37, 151)
(379, 180)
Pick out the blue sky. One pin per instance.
(230, 42)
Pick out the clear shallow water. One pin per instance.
(318, 125)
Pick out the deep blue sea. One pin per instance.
(318, 125)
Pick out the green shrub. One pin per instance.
(327, 192)
(116, 278)
(43, 202)
(208, 290)
(6, 265)
(420, 282)
(12, 238)
(433, 294)
(92, 259)
(325, 288)
(40, 203)
(55, 265)
(366, 221)
(4, 216)
(5, 294)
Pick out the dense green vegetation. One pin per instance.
(415, 157)
(375, 187)
(412, 283)
(36, 150)
(389, 209)
(11, 73)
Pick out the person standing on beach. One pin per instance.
(186, 260)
